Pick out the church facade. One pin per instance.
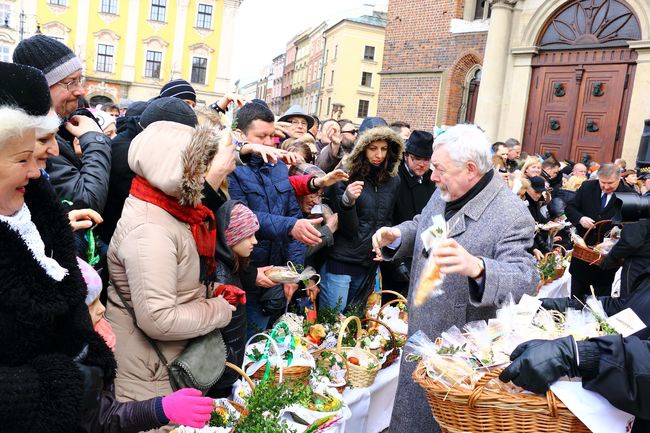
(567, 77)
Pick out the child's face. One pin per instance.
(96, 310)
(245, 247)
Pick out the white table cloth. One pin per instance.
(372, 407)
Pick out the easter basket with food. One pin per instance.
(363, 365)
(282, 355)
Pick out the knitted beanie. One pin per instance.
(169, 109)
(92, 279)
(24, 87)
(180, 89)
(243, 224)
(53, 58)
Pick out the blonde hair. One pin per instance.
(529, 162)
(14, 122)
(574, 183)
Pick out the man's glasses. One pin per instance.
(297, 122)
(72, 83)
(352, 131)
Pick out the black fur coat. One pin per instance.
(44, 324)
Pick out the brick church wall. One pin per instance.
(418, 44)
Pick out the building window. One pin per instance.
(332, 79)
(369, 53)
(108, 7)
(105, 54)
(329, 104)
(204, 17)
(199, 68)
(158, 10)
(58, 2)
(5, 18)
(366, 79)
(482, 10)
(336, 51)
(152, 66)
(5, 53)
(362, 111)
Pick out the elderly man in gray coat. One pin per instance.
(483, 260)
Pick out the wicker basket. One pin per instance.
(394, 354)
(460, 410)
(358, 376)
(588, 254)
(316, 355)
(300, 373)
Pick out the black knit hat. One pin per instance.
(180, 89)
(53, 58)
(24, 87)
(169, 109)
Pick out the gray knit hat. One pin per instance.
(53, 58)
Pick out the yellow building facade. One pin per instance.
(130, 48)
(353, 56)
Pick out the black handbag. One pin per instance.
(199, 366)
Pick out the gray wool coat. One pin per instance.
(494, 225)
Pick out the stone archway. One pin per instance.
(582, 78)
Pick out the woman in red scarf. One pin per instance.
(161, 257)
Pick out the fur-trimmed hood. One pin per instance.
(395, 146)
(174, 158)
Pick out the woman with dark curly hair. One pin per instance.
(364, 204)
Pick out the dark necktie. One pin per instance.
(603, 201)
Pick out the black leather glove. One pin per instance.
(93, 384)
(537, 364)
(560, 304)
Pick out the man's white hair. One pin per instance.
(466, 143)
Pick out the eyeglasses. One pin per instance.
(352, 131)
(72, 83)
(297, 122)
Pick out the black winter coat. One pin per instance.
(540, 241)
(83, 181)
(372, 210)
(119, 183)
(634, 248)
(412, 195)
(44, 324)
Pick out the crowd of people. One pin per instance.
(172, 220)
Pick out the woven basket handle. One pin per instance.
(394, 301)
(344, 326)
(242, 373)
(340, 355)
(480, 386)
(390, 331)
(392, 292)
(600, 225)
(274, 345)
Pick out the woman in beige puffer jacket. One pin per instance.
(154, 263)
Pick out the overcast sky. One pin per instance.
(265, 26)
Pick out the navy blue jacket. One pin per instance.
(266, 190)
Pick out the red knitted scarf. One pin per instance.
(200, 218)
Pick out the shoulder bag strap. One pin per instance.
(149, 339)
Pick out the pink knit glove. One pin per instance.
(187, 407)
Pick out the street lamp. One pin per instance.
(22, 22)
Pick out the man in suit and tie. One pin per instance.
(594, 202)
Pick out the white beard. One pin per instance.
(444, 194)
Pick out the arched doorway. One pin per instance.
(581, 81)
